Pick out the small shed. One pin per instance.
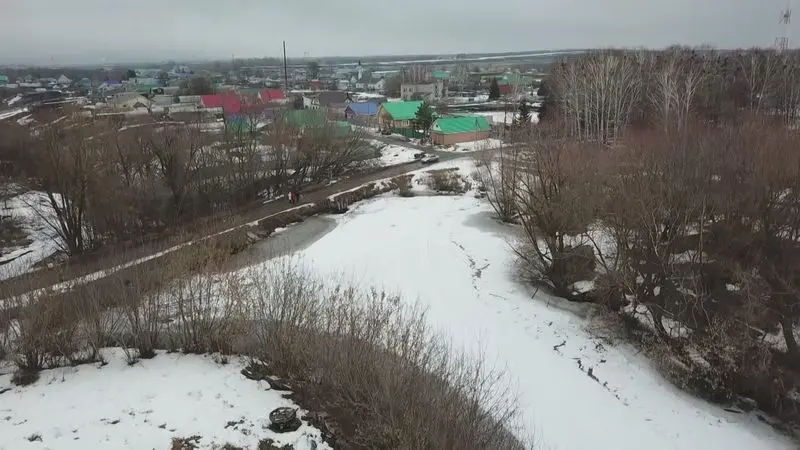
(455, 129)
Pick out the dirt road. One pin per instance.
(101, 264)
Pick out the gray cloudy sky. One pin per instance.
(89, 31)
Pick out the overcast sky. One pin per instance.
(94, 31)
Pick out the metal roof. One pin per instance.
(402, 110)
(364, 108)
(460, 124)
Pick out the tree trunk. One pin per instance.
(788, 336)
(658, 322)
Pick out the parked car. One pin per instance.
(429, 159)
(419, 155)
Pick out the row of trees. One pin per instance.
(108, 183)
(602, 93)
(689, 223)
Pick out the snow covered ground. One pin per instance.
(497, 117)
(14, 100)
(31, 209)
(144, 406)
(483, 144)
(12, 113)
(360, 96)
(393, 154)
(449, 254)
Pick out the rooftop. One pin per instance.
(460, 124)
(402, 110)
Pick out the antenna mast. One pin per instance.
(782, 43)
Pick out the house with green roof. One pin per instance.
(314, 119)
(3, 80)
(450, 130)
(398, 116)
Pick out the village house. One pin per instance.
(398, 116)
(110, 85)
(4, 80)
(315, 119)
(63, 80)
(456, 129)
(228, 102)
(191, 99)
(364, 113)
(163, 100)
(272, 96)
(333, 102)
(377, 85)
(128, 101)
(432, 91)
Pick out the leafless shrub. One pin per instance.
(376, 364)
(204, 315)
(38, 338)
(500, 178)
(445, 180)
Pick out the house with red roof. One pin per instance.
(229, 102)
(272, 96)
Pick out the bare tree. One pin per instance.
(179, 152)
(499, 175)
(555, 184)
(67, 159)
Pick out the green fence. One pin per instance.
(408, 132)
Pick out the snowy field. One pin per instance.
(449, 254)
(31, 209)
(497, 117)
(144, 406)
(483, 144)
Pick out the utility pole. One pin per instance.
(285, 70)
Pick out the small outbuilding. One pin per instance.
(456, 129)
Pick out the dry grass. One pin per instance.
(373, 363)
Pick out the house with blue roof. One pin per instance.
(362, 109)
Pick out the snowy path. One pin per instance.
(430, 249)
